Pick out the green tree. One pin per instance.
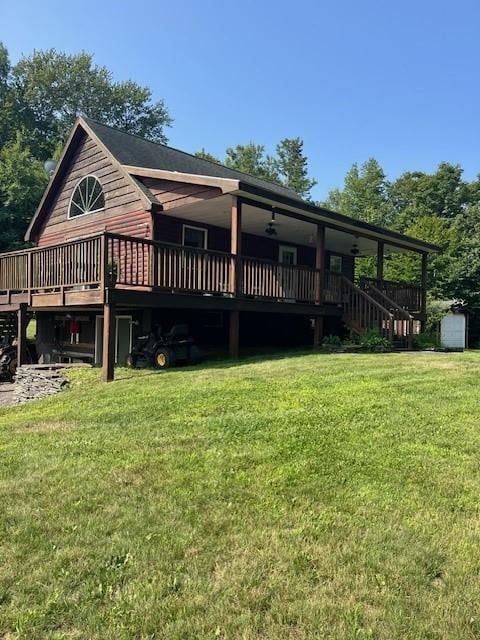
(9, 120)
(443, 194)
(206, 156)
(251, 158)
(466, 264)
(53, 88)
(40, 98)
(22, 182)
(292, 166)
(365, 194)
(289, 167)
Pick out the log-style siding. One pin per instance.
(169, 229)
(124, 210)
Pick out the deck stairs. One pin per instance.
(366, 308)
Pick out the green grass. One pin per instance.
(311, 496)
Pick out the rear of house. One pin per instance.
(132, 235)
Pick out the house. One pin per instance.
(131, 234)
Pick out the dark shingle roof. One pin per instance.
(133, 150)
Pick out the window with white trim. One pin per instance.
(87, 197)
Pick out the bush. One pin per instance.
(332, 342)
(374, 341)
(425, 341)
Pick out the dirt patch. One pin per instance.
(47, 427)
(7, 396)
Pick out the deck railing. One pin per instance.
(362, 312)
(14, 270)
(142, 263)
(196, 270)
(332, 288)
(407, 296)
(73, 264)
(108, 260)
(267, 279)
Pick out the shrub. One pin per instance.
(332, 342)
(374, 341)
(425, 341)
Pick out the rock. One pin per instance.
(34, 381)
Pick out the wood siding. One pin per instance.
(169, 229)
(170, 193)
(124, 210)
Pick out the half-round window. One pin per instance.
(87, 197)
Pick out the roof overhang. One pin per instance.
(297, 208)
(227, 185)
(269, 199)
(313, 213)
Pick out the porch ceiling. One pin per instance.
(216, 211)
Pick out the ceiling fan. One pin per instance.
(270, 228)
(354, 250)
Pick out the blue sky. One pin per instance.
(393, 80)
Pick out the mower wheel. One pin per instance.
(163, 358)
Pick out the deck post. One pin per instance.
(22, 322)
(108, 359)
(236, 246)
(317, 331)
(234, 335)
(423, 307)
(380, 261)
(320, 263)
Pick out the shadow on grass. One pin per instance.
(223, 362)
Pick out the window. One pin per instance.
(287, 255)
(87, 197)
(336, 264)
(194, 237)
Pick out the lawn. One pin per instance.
(310, 496)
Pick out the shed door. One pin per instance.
(123, 339)
(453, 331)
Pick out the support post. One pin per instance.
(103, 264)
(108, 342)
(380, 261)
(423, 306)
(234, 334)
(236, 246)
(317, 331)
(320, 263)
(410, 334)
(22, 322)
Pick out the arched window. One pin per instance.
(87, 197)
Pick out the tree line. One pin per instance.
(43, 93)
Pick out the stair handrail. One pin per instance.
(352, 285)
(407, 315)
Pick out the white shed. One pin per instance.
(453, 331)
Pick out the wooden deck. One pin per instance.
(81, 272)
